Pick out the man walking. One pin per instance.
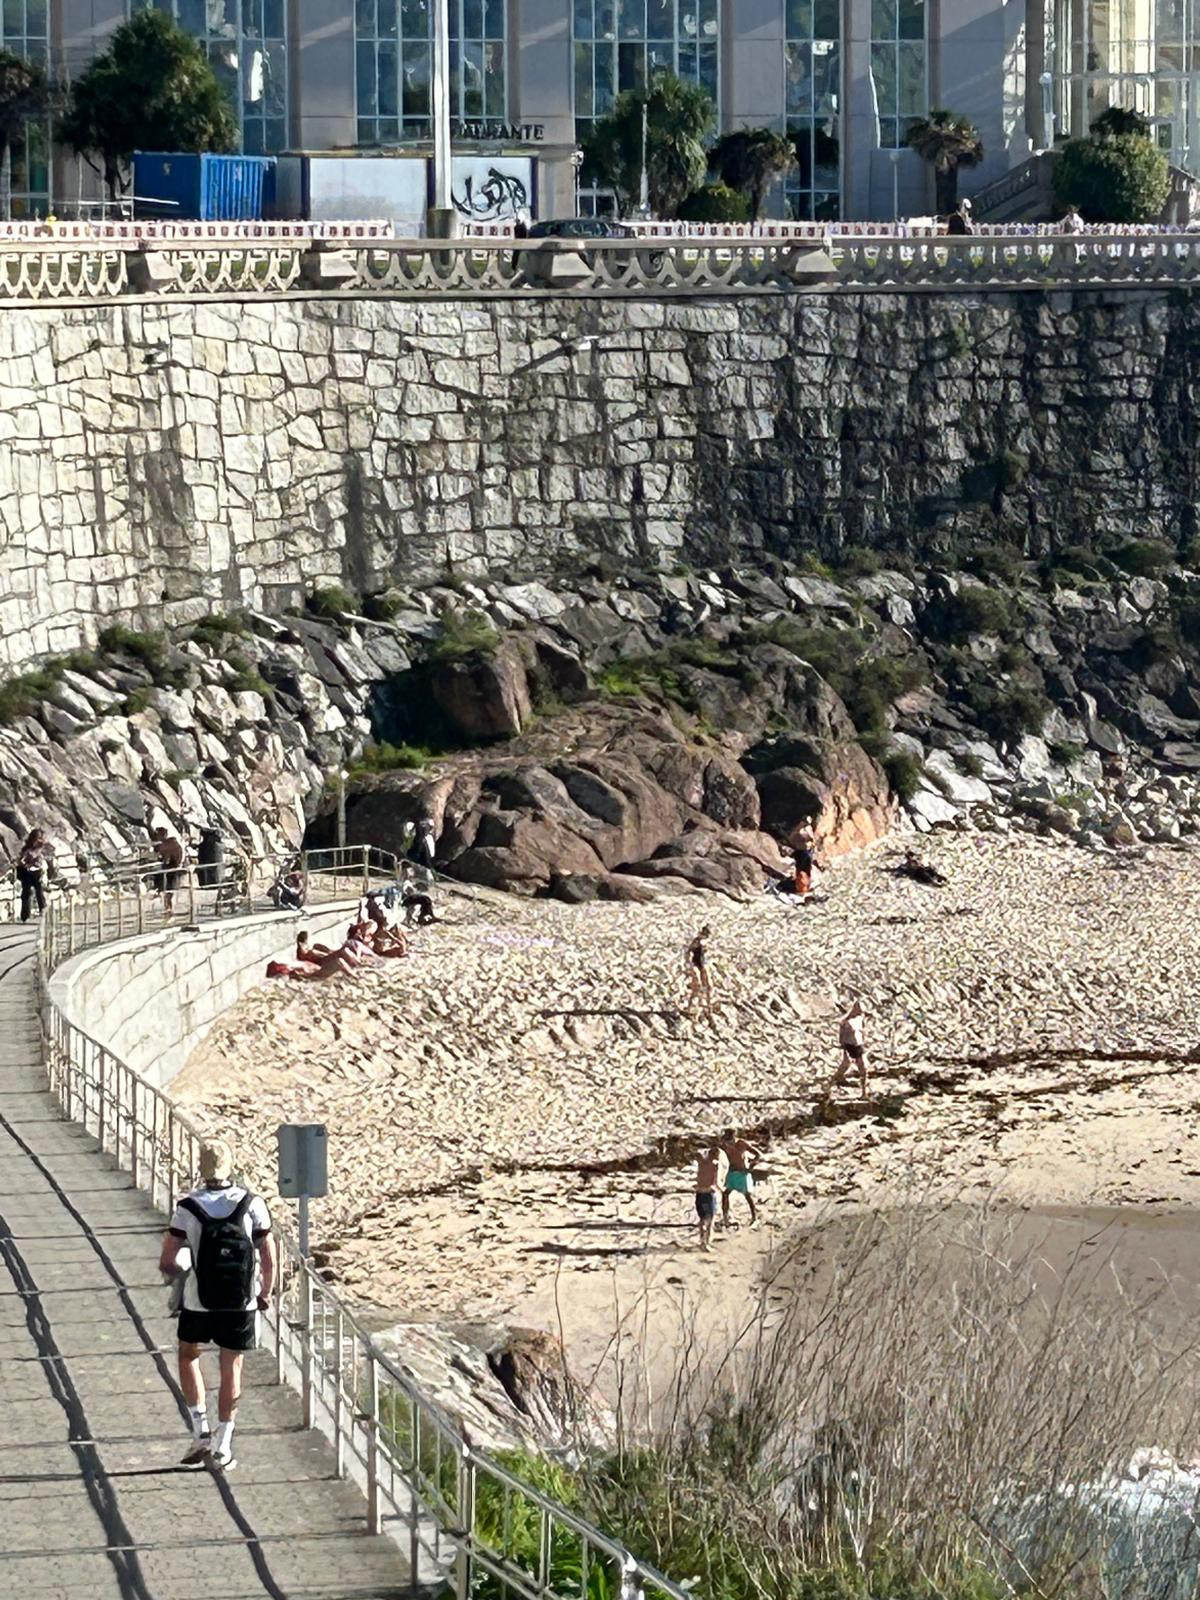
(170, 854)
(230, 1274)
(853, 1042)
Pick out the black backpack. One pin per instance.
(224, 1264)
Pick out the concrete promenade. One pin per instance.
(92, 1500)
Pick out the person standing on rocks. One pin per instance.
(852, 1039)
(805, 861)
(170, 854)
(739, 1179)
(31, 872)
(696, 963)
(424, 846)
(707, 1184)
(227, 1231)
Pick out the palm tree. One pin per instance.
(25, 95)
(750, 159)
(678, 119)
(947, 141)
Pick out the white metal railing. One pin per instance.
(465, 1519)
(71, 270)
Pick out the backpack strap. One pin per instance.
(239, 1211)
(189, 1205)
(203, 1217)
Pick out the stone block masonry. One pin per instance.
(160, 461)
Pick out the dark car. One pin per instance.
(580, 228)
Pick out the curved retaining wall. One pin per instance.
(152, 998)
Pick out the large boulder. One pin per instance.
(836, 790)
(484, 695)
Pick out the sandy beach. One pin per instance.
(514, 1109)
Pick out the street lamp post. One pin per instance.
(443, 218)
(895, 154)
(341, 807)
(1047, 82)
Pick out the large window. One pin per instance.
(246, 42)
(899, 67)
(621, 44)
(813, 92)
(394, 66)
(24, 34)
(1143, 55)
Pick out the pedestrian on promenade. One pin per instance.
(739, 1179)
(31, 872)
(230, 1275)
(170, 854)
(707, 1184)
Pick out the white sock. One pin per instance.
(199, 1422)
(223, 1437)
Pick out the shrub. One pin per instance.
(867, 685)
(904, 773)
(216, 631)
(381, 607)
(977, 610)
(1113, 178)
(21, 696)
(716, 202)
(1064, 752)
(148, 648)
(1142, 558)
(1007, 711)
(330, 601)
(859, 561)
(392, 758)
(1004, 561)
(464, 633)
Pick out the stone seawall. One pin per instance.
(151, 999)
(159, 461)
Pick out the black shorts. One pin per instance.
(228, 1330)
(706, 1204)
(854, 1051)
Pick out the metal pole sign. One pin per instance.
(303, 1168)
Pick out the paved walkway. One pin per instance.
(92, 1501)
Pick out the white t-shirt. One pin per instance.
(217, 1202)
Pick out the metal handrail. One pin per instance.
(425, 1482)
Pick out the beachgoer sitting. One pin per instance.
(921, 871)
(418, 907)
(307, 951)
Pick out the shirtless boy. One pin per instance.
(852, 1038)
(707, 1184)
(740, 1154)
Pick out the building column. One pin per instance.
(753, 70)
(322, 114)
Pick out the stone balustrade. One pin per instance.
(88, 271)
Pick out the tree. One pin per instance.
(1121, 119)
(750, 159)
(716, 202)
(25, 95)
(1119, 177)
(947, 141)
(152, 89)
(679, 117)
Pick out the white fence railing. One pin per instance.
(657, 266)
(464, 1518)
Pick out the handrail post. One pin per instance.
(133, 1136)
(466, 1515)
(339, 1408)
(374, 1519)
(102, 1081)
(306, 1338)
(71, 951)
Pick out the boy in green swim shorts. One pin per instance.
(739, 1179)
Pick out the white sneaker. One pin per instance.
(199, 1454)
(222, 1460)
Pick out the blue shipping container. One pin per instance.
(201, 188)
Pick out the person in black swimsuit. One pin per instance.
(696, 963)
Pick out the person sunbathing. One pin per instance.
(307, 951)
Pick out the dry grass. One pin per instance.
(904, 1415)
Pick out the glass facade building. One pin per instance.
(26, 34)
(621, 44)
(899, 67)
(1139, 54)
(246, 42)
(812, 106)
(394, 66)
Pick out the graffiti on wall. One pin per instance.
(486, 190)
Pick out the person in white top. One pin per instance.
(230, 1266)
